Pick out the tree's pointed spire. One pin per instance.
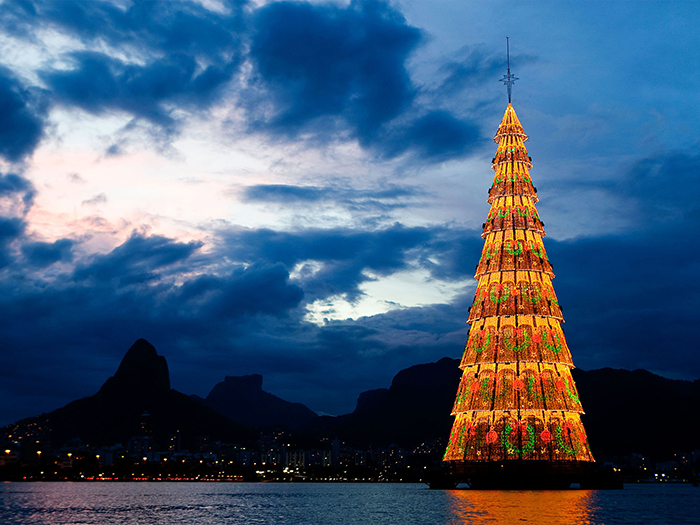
(509, 79)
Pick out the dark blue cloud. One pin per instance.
(664, 188)
(138, 260)
(380, 199)
(336, 69)
(18, 196)
(345, 254)
(43, 254)
(438, 135)
(99, 83)
(11, 228)
(13, 185)
(630, 302)
(283, 193)
(252, 290)
(22, 114)
(332, 61)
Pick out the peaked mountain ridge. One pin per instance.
(242, 400)
(141, 370)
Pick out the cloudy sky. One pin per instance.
(297, 188)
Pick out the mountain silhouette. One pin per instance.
(414, 409)
(637, 411)
(142, 371)
(136, 401)
(242, 399)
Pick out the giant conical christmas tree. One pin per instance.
(516, 402)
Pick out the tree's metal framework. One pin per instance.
(516, 399)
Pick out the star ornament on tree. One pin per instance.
(509, 80)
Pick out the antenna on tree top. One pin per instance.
(509, 79)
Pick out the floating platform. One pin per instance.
(529, 475)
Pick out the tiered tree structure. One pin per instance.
(516, 402)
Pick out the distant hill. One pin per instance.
(242, 400)
(415, 408)
(117, 411)
(639, 412)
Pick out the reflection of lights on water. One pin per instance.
(475, 507)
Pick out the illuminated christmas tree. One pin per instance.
(517, 403)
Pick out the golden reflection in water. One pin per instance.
(542, 507)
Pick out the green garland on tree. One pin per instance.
(483, 390)
(573, 450)
(478, 348)
(551, 295)
(464, 391)
(546, 334)
(528, 445)
(537, 250)
(572, 394)
(478, 296)
(514, 251)
(530, 387)
(505, 389)
(488, 252)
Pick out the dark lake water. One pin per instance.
(338, 504)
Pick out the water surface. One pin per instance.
(337, 504)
